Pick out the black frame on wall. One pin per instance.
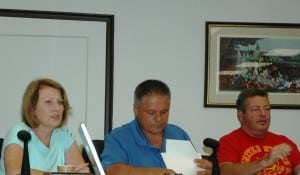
(109, 55)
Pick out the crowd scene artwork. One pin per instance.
(270, 64)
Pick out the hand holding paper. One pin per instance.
(180, 155)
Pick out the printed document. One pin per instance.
(180, 155)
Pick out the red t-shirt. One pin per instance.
(239, 147)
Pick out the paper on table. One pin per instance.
(180, 155)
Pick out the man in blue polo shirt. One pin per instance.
(135, 147)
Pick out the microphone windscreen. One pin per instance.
(209, 142)
(24, 135)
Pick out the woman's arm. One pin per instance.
(13, 161)
(74, 157)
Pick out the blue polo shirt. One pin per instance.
(127, 144)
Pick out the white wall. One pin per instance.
(166, 40)
(68, 51)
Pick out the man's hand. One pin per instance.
(278, 152)
(205, 164)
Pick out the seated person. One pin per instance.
(134, 148)
(252, 148)
(45, 111)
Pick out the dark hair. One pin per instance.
(149, 87)
(246, 93)
(31, 96)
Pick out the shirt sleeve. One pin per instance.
(112, 153)
(65, 136)
(12, 135)
(228, 150)
(295, 154)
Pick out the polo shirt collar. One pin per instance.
(140, 137)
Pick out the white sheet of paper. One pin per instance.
(180, 155)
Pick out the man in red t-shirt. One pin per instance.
(252, 149)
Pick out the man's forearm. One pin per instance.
(251, 168)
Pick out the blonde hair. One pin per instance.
(31, 96)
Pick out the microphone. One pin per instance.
(25, 137)
(214, 144)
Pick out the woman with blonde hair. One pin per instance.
(45, 111)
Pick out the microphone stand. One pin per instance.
(214, 144)
(215, 162)
(25, 137)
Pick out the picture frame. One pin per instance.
(76, 49)
(241, 55)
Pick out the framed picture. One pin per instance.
(252, 55)
(76, 49)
